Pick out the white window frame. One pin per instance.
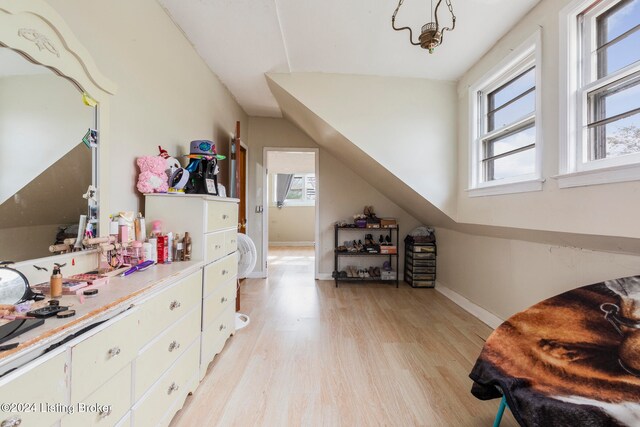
(574, 171)
(525, 56)
(293, 202)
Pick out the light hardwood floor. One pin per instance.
(358, 355)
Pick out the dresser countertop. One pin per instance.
(117, 296)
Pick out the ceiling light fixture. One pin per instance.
(432, 35)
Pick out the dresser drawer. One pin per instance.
(99, 357)
(219, 272)
(217, 302)
(174, 385)
(169, 306)
(214, 246)
(114, 397)
(40, 382)
(215, 335)
(164, 351)
(221, 215)
(230, 241)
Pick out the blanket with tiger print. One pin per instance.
(571, 360)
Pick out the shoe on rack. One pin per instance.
(386, 266)
(376, 272)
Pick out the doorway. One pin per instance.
(291, 206)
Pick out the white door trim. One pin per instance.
(265, 205)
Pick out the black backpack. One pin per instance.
(203, 177)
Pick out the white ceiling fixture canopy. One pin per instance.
(241, 40)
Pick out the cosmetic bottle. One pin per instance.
(177, 248)
(123, 231)
(113, 228)
(186, 243)
(169, 247)
(147, 249)
(136, 253)
(55, 284)
(141, 230)
(153, 241)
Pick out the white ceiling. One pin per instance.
(241, 40)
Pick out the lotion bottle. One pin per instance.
(55, 284)
(186, 245)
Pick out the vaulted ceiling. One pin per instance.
(241, 40)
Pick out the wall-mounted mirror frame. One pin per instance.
(35, 30)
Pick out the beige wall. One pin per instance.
(166, 94)
(292, 224)
(342, 192)
(505, 275)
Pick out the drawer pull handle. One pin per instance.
(114, 351)
(104, 413)
(223, 300)
(223, 327)
(225, 216)
(218, 246)
(174, 305)
(225, 272)
(11, 422)
(173, 387)
(174, 345)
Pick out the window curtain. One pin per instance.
(283, 185)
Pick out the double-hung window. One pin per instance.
(505, 126)
(603, 88)
(302, 191)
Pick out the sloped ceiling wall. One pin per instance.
(375, 124)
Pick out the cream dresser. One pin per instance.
(212, 224)
(132, 355)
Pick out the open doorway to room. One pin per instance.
(291, 210)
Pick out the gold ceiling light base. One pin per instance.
(431, 35)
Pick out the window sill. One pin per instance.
(608, 175)
(507, 188)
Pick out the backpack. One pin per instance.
(203, 177)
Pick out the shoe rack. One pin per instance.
(372, 251)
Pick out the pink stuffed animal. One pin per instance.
(152, 178)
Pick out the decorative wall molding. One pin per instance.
(39, 39)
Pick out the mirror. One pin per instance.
(14, 287)
(45, 167)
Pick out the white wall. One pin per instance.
(407, 125)
(342, 192)
(166, 94)
(504, 275)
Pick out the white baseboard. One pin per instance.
(483, 315)
(280, 244)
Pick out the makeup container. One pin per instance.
(137, 255)
(147, 250)
(123, 230)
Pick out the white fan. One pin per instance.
(247, 256)
(246, 262)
